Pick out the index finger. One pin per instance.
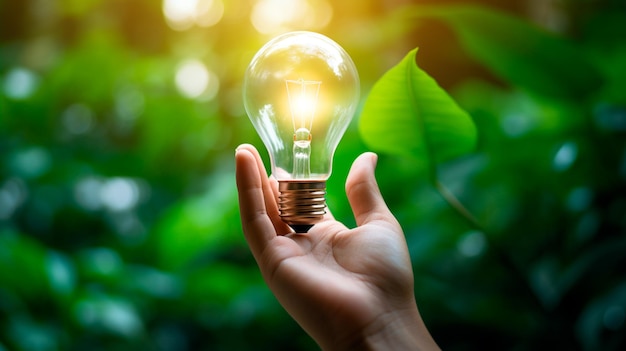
(256, 223)
(270, 196)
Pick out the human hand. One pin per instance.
(348, 288)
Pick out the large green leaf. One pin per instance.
(407, 113)
(517, 51)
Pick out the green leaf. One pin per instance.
(407, 113)
(520, 53)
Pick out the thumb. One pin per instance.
(362, 190)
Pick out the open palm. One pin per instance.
(342, 285)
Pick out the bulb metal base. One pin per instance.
(302, 203)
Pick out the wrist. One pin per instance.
(397, 330)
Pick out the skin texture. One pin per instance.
(347, 288)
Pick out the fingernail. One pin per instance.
(237, 149)
(374, 160)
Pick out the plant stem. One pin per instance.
(453, 201)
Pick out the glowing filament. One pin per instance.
(302, 95)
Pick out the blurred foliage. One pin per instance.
(119, 226)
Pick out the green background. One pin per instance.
(119, 223)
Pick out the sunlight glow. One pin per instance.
(276, 16)
(183, 14)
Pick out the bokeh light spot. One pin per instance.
(183, 14)
(87, 193)
(517, 124)
(579, 199)
(614, 317)
(7, 204)
(209, 13)
(276, 16)
(20, 83)
(12, 194)
(129, 103)
(28, 334)
(195, 80)
(565, 156)
(78, 119)
(610, 117)
(179, 13)
(31, 163)
(472, 244)
(115, 316)
(102, 261)
(119, 194)
(121, 317)
(61, 273)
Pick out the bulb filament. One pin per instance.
(302, 95)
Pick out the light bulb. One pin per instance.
(301, 90)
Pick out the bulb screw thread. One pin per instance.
(302, 203)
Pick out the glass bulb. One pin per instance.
(300, 91)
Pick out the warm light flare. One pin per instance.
(183, 14)
(303, 99)
(276, 16)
